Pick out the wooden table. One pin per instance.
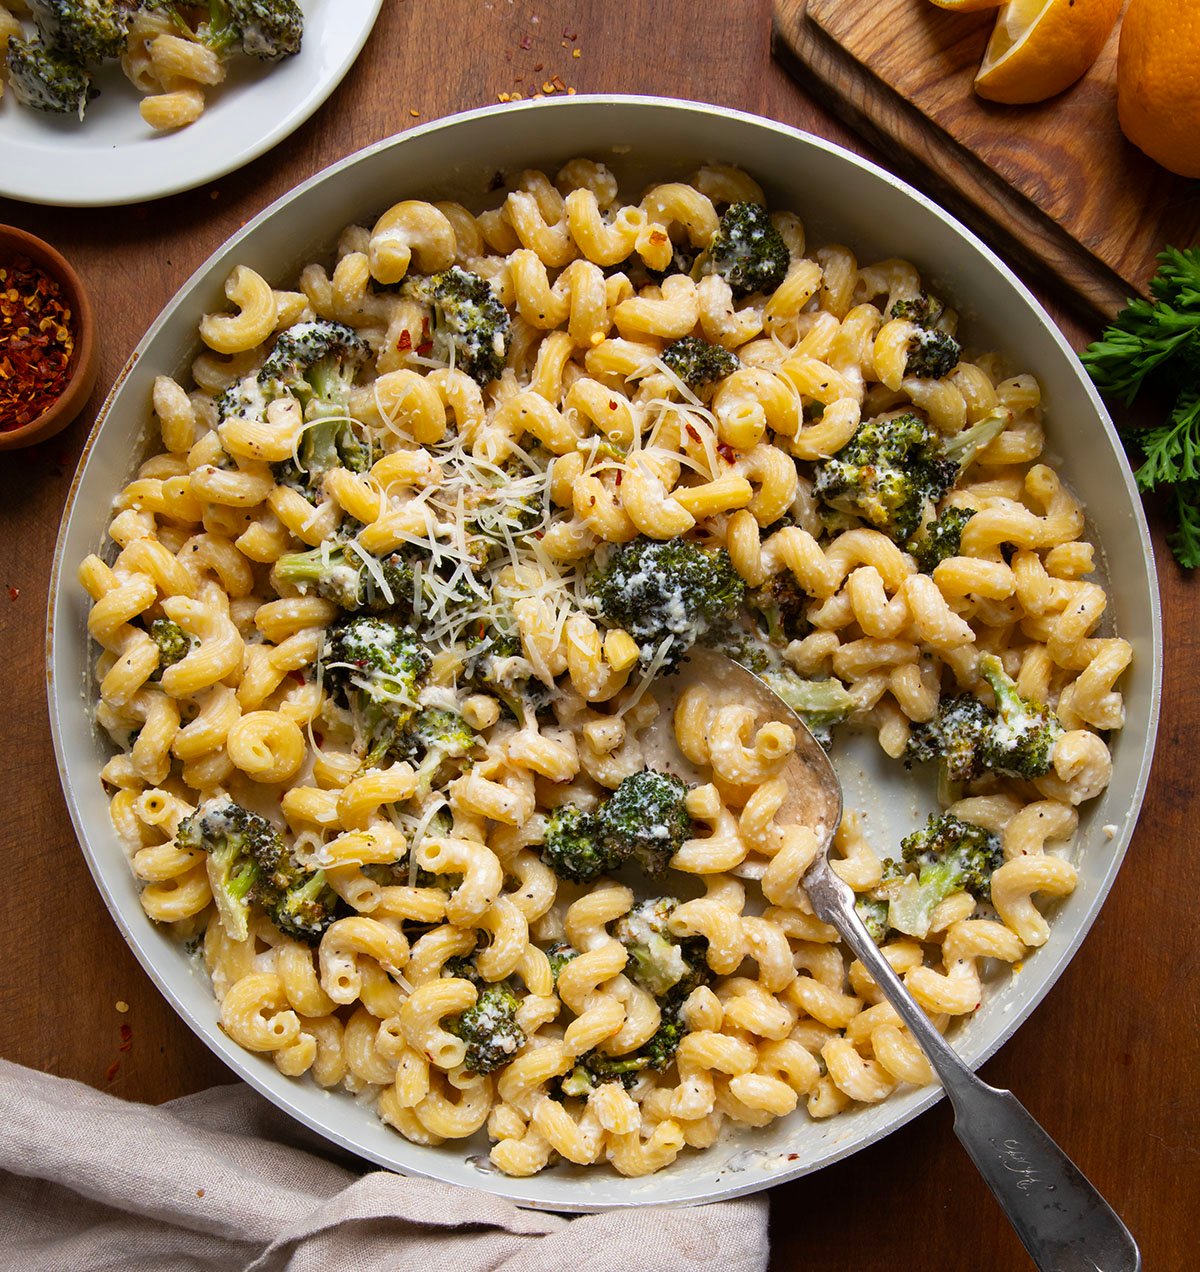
(1109, 1063)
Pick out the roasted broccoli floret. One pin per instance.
(697, 363)
(242, 849)
(874, 914)
(666, 593)
(84, 32)
(172, 641)
(302, 904)
(247, 860)
(433, 736)
(496, 664)
(375, 667)
(560, 954)
(471, 328)
(948, 855)
(932, 354)
(658, 960)
(940, 539)
(955, 736)
(821, 704)
(1021, 741)
(925, 310)
(315, 363)
(886, 474)
(46, 81)
(782, 606)
(350, 577)
(489, 1028)
(1017, 739)
(265, 29)
(747, 250)
(646, 820)
(572, 846)
(655, 1054)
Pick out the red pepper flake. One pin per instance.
(539, 66)
(297, 676)
(126, 1038)
(612, 406)
(405, 341)
(526, 42)
(37, 340)
(426, 346)
(13, 593)
(691, 432)
(726, 452)
(111, 1072)
(620, 474)
(570, 35)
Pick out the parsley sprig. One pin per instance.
(1156, 343)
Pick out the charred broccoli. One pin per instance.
(659, 961)
(940, 539)
(925, 310)
(489, 1028)
(932, 354)
(1017, 739)
(697, 363)
(496, 664)
(350, 577)
(886, 474)
(172, 641)
(46, 81)
(315, 363)
(247, 860)
(1021, 741)
(821, 704)
(242, 849)
(666, 593)
(955, 736)
(646, 820)
(572, 846)
(375, 667)
(265, 29)
(433, 736)
(948, 855)
(560, 954)
(84, 32)
(874, 914)
(747, 250)
(781, 605)
(471, 328)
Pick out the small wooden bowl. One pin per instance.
(85, 361)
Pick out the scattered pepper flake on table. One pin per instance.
(37, 339)
(13, 593)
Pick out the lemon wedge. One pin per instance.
(1040, 47)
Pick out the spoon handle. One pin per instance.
(1061, 1219)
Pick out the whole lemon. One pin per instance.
(1158, 82)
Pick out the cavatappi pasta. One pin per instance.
(381, 732)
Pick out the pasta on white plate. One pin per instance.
(388, 619)
(173, 52)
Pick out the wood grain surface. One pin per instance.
(1058, 179)
(1109, 1061)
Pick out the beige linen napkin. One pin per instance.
(222, 1179)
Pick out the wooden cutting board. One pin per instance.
(1055, 185)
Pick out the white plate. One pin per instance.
(841, 198)
(114, 156)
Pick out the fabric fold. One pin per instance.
(223, 1179)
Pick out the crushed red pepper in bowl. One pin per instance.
(48, 352)
(37, 339)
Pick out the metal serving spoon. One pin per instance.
(1061, 1219)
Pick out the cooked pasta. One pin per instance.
(386, 624)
